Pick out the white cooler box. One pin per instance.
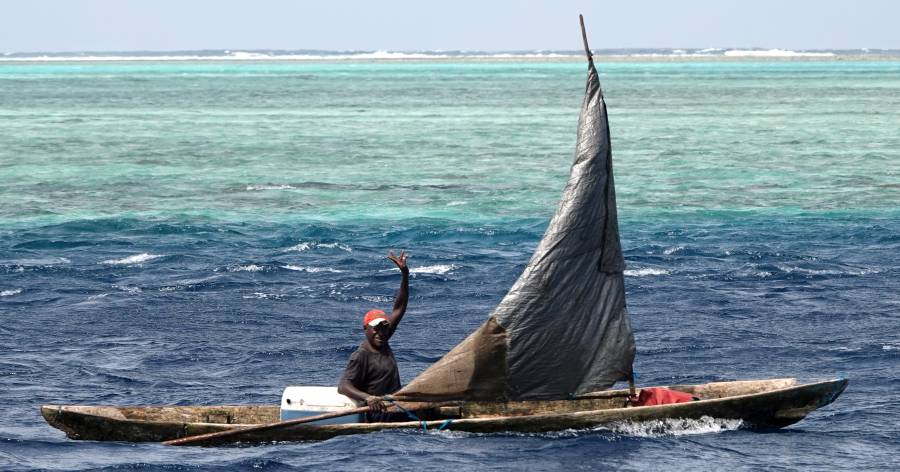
(300, 402)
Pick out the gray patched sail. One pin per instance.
(563, 329)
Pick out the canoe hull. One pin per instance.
(776, 404)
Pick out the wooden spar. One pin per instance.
(232, 433)
(587, 49)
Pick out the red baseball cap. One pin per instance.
(374, 317)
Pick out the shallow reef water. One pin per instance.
(209, 233)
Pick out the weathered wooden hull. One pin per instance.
(759, 404)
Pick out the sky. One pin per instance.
(470, 25)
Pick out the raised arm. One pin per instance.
(402, 298)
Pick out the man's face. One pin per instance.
(378, 335)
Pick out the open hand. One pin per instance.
(400, 261)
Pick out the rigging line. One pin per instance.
(410, 414)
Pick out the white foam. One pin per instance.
(248, 55)
(263, 296)
(673, 250)
(886, 347)
(304, 246)
(247, 268)
(311, 270)
(126, 288)
(438, 269)
(43, 262)
(802, 270)
(135, 259)
(673, 427)
(251, 188)
(644, 272)
(774, 53)
(238, 56)
(342, 247)
(9, 293)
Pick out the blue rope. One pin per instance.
(410, 414)
(445, 424)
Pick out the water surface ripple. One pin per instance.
(205, 233)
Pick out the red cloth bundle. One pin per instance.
(661, 396)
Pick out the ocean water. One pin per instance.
(208, 232)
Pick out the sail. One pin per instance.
(563, 328)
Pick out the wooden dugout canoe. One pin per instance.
(771, 403)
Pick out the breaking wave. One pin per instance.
(135, 259)
(774, 53)
(673, 427)
(251, 188)
(247, 268)
(311, 270)
(9, 293)
(263, 296)
(305, 246)
(438, 269)
(384, 55)
(645, 272)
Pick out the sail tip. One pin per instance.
(587, 49)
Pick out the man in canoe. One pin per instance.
(372, 370)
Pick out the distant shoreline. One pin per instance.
(597, 58)
(606, 55)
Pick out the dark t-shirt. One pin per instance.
(375, 373)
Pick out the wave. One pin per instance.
(376, 298)
(43, 262)
(251, 188)
(279, 56)
(305, 246)
(263, 296)
(385, 55)
(673, 250)
(311, 270)
(644, 272)
(437, 269)
(135, 259)
(127, 288)
(848, 271)
(190, 284)
(9, 293)
(247, 268)
(775, 53)
(643, 429)
(673, 427)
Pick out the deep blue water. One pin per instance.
(217, 319)
(206, 233)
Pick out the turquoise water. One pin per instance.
(209, 233)
(466, 141)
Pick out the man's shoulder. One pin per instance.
(360, 352)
